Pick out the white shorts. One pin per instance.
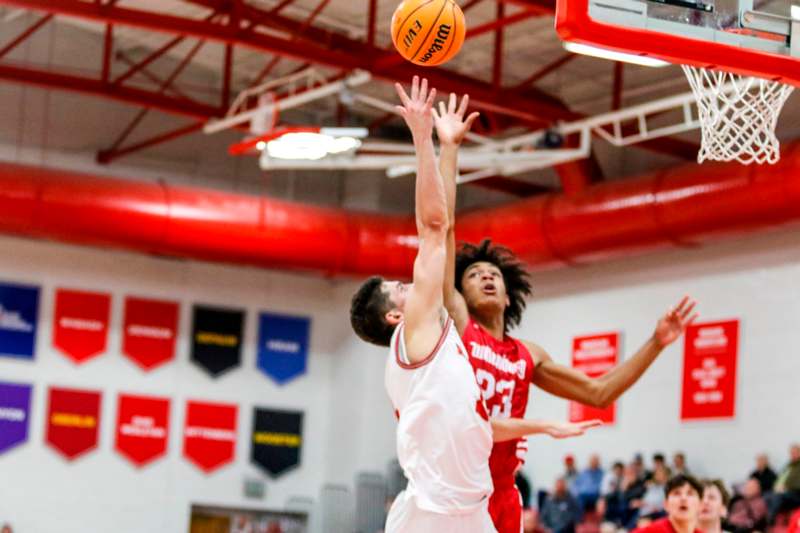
(406, 517)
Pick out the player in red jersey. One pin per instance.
(485, 294)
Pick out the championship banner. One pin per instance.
(73, 421)
(276, 440)
(142, 428)
(81, 323)
(149, 331)
(15, 408)
(217, 338)
(282, 346)
(19, 312)
(594, 355)
(709, 370)
(209, 435)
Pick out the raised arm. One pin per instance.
(424, 302)
(572, 384)
(451, 127)
(504, 429)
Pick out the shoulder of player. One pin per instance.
(538, 354)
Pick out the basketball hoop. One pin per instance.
(738, 115)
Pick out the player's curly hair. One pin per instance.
(515, 275)
(368, 313)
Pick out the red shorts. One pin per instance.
(505, 507)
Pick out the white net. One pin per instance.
(738, 115)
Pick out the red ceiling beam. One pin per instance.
(616, 92)
(107, 156)
(201, 29)
(372, 21)
(497, 64)
(501, 22)
(25, 34)
(531, 109)
(545, 70)
(96, 87)
(108, 49)
(122, 56)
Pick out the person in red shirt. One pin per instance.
(484, 292)
(682, 503)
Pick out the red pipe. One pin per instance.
(683, 206)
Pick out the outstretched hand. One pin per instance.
(451, 127)
(563, 430)
(417, 108)
(672, 325)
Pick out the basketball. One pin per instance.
(428, 32)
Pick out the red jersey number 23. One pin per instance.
(497, 393)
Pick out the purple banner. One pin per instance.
(15, 403)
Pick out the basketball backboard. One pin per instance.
(759, 38)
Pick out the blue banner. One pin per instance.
(283, 346)
(19, 312)
(15, 408)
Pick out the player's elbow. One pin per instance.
(602, 396)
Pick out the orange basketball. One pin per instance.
(428, 32)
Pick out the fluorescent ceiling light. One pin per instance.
(603, 53)
(309, 146)
(796, 12)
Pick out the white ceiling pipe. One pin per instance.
(358, 78)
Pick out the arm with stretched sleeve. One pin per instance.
(504, 429)
(571, 384)
(451, 127)
(424, 302)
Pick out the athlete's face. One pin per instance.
(712, 508)
(683, 504)
(484, 288)
(397, 292)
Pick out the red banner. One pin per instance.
(81, 323)
(73, 421)
(709, 370)
(209, 438)
(594, 355)
(149, 331)
(142, 428)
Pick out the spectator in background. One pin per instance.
(638, 464)
(682, 504)
(561, 512)
(764, 474)
(749, 513)
(611, 505)
(659, 461)
(786, 496)
(714, 506)
(679, 464)
(633, 488)
(570, 472)
(524, 488)
(586, 486)
(651, 505)
(6, 529)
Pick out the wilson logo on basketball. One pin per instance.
(438, 43)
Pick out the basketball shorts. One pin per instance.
(505, 508)
(406, 517)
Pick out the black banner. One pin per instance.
(276, 440)
(217, 338)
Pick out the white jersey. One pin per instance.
(443, 434)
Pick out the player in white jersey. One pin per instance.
(444, 436)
